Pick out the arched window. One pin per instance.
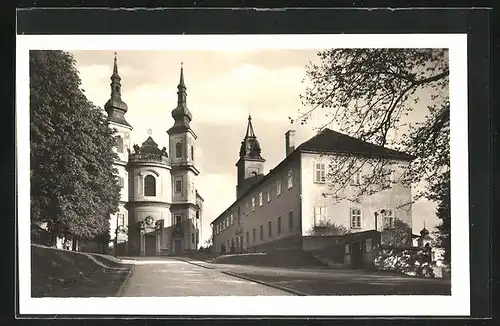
(149, 186)
(119, 144)
(178, 150)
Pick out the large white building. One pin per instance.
(160, 209)
(284, 208)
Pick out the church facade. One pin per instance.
(160, 210)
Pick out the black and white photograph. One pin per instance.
(162, 173)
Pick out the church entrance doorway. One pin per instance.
(150, 244)
(177, 246)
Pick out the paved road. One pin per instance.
(170, 277)
(319, 281)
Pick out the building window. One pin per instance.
(119, 144)
(192, 238)
(253, 235)
(178, 219)
(192, 152)
(121, 219)
(253, 204)
(290, 179)
(121, 182)
(149, 186)
(248, 237)
(197, 236)
(346, 249)
(319, 215)
(355, 218)
(279, 224)
(319, 173)
(270, 229)
(269, 195)
(178, 149)
(278, 187)
(261, 199)
(261, 232)
(178, 185)
(290, 220)
(368, 245)
(355, 178)
(231, 219)
(239, 214)
(388, 219)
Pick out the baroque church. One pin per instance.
(160, 210)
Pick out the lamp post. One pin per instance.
(116, 236)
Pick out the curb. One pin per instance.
(264, 283)
(124, 285)
(193, 263)
(247, 278)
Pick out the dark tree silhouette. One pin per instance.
(74, 187)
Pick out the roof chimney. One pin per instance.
(289, 142)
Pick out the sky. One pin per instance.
(223, 88)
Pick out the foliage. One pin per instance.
(441, 194)
(396, 98)
(328, 228)
(73, 184)
(208, 245)
(399, 235)
(406, 261)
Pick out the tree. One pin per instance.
(397, 235)
(441, 195)
(370, 93)
(328, 228)
(397, 98)
(74, 187)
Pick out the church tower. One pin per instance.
(116, 108)
(250, 164)
(184, 209)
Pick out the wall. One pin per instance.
(312, 196)
(281, 205)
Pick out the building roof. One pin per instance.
(329, 141)
(332, 141)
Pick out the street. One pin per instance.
(169, 277)
(173, 277)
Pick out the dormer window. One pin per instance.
(178, 150)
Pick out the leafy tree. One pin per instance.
(397, 98)
(441, 194)
(73, 183)
(397, 235)
(370, 94)
(328, 228)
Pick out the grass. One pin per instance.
(60, 273)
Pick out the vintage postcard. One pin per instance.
(264, 175)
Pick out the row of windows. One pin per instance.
(228, 220)
(320, 217)
(320, 175)
(261, 230)
(150, 185)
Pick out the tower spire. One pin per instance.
(250, 133)
(116, 107)
(181, 113)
